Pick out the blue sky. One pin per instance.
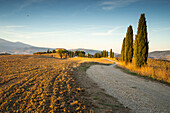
(91, 24)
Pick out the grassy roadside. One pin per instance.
(86, 65)
(140, 76)
(97, 99)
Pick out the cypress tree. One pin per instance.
(106, 53)
(48, 51)
(129, 45)
(123, 50)
(111, 53)
(141, 43)
(101, 54)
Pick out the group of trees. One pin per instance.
(80, 53)
(140, 46)
(89, 55)
(66, 53)
(53, 51)
(104, 53)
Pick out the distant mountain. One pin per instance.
(19, 47)
(7, 45)
(164, 55)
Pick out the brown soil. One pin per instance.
(99, 101)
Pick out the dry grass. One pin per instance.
(156, 69)
(56, 55)
(35, 83)
(99, 60)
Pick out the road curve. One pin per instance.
(140, 95)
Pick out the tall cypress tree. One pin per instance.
(101, 54)
(141, 43)
(129, 45)
(106, 53)
(111, 53)
(123, 50)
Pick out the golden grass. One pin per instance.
(99, 60)
(56, 55)
(156, 69)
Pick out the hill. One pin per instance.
(8, 45)
(18, 47)
(164, 55)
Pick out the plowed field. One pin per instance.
(39, 84)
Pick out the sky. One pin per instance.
(90, 24)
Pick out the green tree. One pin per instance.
(111, 53)
(141, 43)
(72, 54)
(101, 54)
(48, 51)
(60, 52)
(80, 53)
(129, 45)
(54, 51)
(97, 55)
(123, 50)
(106, 53)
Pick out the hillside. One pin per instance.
(164, 55)
(18, 47)
(8, 45)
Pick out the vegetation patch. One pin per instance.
(126, 70)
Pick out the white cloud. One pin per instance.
(13, 26)
(112, 4)
(35, 35)
(109, 32)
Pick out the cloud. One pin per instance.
(35, 35)
(161, 29)
(112, 4)
(28, 2)
(109, 32)
(13, 26)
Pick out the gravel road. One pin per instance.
(138, 94)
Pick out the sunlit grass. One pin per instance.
(156, 69)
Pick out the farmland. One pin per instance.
(40, 84)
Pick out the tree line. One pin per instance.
(63, 53)
(104, 53)
(137, 49)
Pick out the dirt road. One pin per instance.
(140, 95)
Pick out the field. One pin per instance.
(34, 83)
(155, 69)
